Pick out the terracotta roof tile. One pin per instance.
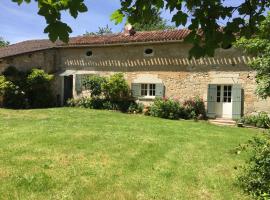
(120, 38)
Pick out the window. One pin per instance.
(218, 93)
(89, 53)
(144, 89)
(148, 52)
(148, 90)
(227, 94)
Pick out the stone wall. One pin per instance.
(183, 78)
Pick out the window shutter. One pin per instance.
(211, 101)
(136, 89)
(78, 82)
(236, 101)
(160, 90)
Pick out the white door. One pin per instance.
(224, 101)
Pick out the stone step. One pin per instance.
(223, 122)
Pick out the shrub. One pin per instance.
(165, 108)
(38, 90)
(255, 178)
(116, 88)
(261, 120)
(94, 84)
(195, 108)
(26, 89)
(136, 108)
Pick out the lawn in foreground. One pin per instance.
(71, 153)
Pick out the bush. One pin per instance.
(116, 88)
(26, 89)
(255, 178)
(38, 90)
(94, 84)
(165, 108)
(261, 120)
(195, 109)
(136, 108)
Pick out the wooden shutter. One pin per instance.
(211, 101)
(78, 82)
(136, 89)
(236, 101)
(160, 90)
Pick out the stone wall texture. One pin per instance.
(183, 78)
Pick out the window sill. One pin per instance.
(147, 98)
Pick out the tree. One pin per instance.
(3, 43)
(259, 46)
(155, 23)
(205, 17)
(101, 31)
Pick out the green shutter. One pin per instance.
(136, 89)
(211, 101)
(78, 82)
(236, 101)
(159, 90)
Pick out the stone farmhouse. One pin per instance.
(154, 63)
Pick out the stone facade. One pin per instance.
(183, 78)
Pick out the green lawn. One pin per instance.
(79, 154)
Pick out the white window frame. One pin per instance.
(148, 86)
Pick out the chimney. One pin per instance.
(129, 30)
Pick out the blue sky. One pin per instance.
(23, 23)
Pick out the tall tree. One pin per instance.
(3, 43)
(156, 22)
(205, 17)
(101, 31)
(259, 46)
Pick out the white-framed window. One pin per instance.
(148, 90)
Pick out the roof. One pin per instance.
(120, 38)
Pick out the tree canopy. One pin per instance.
(259, 46)
(155, 23)
(101, 31)
(203, 18)
(3, 43)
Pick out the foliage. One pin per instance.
(259, 46)
(261, 120)
(155, 23)
(3, 43)
(26, 89)
(116, 87)
(173, 109)
(39, 93)
(166, 108)
(136, 108)
(195, 108)
(255, 178)
(101, 31)
(94, 84)
(104, 104)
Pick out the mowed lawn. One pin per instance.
(70, 153)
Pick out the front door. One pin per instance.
(68, 88)
(224, 101)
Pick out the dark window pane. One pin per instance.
(218, 99)
(229, 100)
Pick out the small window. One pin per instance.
(89, 53)
(148, 52)
(148, 90)
(144, 89)
(227, 46)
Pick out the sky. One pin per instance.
(19, 23)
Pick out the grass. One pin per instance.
(71, 153)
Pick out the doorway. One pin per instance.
(68, 88)
(224, 101)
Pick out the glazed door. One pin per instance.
(224, 101)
